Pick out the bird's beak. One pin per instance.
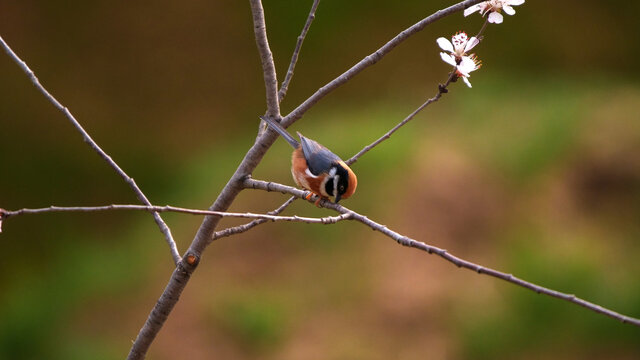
(338, 197)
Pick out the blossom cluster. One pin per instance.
(456, 50)
(457, 56)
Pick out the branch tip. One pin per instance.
(3, 215)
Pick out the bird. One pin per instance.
(316, 168)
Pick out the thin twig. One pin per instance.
(442, 89)
(407, 241)
(250, 225)
(259, 218)
(294, 58)
(484, 26)
(248, 215)
(87, 139)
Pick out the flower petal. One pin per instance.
(515, 2)
(471, 44)
(467, 65)
(470, 10)
(466, 81)
(445, 44)
(495, 18)
(462, 73)
(448, 59)
(508, 10)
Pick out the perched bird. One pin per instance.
(316, 168)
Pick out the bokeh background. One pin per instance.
(535, 171)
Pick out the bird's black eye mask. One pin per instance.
(329, 186)
(340, 186)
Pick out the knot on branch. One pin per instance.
(192, 260)
(270, 186)
(403, 240)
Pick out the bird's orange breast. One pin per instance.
(301, 175)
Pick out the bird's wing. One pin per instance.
(319, 158)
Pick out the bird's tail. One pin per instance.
(282, 131)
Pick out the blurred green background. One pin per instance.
(535, 171)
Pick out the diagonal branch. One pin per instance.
(442, 89)
(87, 139)
(294, 58)
(409, 242)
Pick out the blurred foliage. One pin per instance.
(534, 171)
(256, 325)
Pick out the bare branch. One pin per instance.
(87, 139)
(372, 59)
(442, 89)
(160, 312)
(250, 225)
(407, 241)
(294, 58)
(271, 186)
(4, 214)
(266, 58)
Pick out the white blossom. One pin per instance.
(459, 45)
(493, 8)
(466, 66)
(457, 56)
